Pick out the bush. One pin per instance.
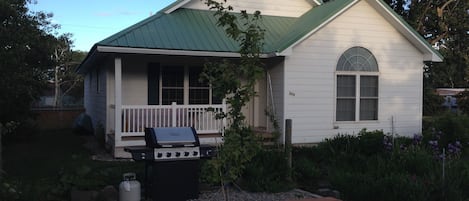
(448, 128)
(463, 101)
(431, 102)
(267, 172)
(366, 142)
(306, 172)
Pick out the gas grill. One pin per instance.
(172, 157)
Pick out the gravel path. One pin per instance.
(239, 195)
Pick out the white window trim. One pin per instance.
(186, 85)
(357, 75)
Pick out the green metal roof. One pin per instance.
(196, 31)
(192, 30)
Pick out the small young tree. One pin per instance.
(235, 80)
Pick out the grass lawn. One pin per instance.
(46, 165)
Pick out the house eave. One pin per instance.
(175, 6)
(132, 50)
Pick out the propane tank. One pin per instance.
(129, 188)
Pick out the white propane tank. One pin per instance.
(129, 188)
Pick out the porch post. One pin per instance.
(118, 100)
(173, 114)
(224, 109)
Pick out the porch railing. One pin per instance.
(202, 117)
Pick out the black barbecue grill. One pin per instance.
(171, 158)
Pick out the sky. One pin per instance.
(90, 21)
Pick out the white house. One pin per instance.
(333, 68)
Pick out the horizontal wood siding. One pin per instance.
(134, 81)
(310, 75)
(291, 8)
(278, 82)
(95, 100)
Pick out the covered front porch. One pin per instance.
(142, 93)
(135, 118)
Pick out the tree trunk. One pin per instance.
(57, 97)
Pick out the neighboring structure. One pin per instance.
(331, 68)
(449, 95)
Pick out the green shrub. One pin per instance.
(448, 128)
(463, 101)
(431, 102)
(267, 172)
(366, 142)
(370, 142)
(306, 172)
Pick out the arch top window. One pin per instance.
(357, 85)
(357, 59)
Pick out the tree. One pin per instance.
(25, 49)
(236, 82)
(63, 74)
(445, 25)
(463, 101)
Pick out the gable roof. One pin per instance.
(192, 30)
(180, 31)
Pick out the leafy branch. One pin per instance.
(235, 81)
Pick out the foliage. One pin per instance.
(448, 128)
(428, 167)
(365, 142)
(235, 82)
(463, 101)
(445, 25)
(25, 49)
(59, 167)
(9, 190)
(267, 172)
(62, 75)
(431, 102)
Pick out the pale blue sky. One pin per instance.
(91, 21)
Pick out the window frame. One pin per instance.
(358, 74)
(186, 86)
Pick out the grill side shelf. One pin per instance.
(140, 153)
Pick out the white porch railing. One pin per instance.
(135, 118)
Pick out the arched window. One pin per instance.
(357, 86)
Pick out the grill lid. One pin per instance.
(171, 137)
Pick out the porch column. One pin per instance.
(118, 101)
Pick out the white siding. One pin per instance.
(134, 81)
(291, 8)
(310, 77)
(95, 96)
(278, 82)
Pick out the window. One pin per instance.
(357, 86)
(180, 84)
(172, 85)
(199, 93)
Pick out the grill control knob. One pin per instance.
(186, 153)
(195, 153)
(178, 154)
(168, 154)
(159, 155)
